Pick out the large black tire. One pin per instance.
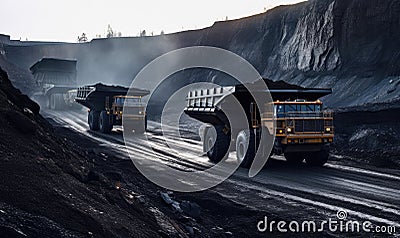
(294, 158)
(93, 120)
(52, 102)
(318, 158)
(105, 123)
(245, 148)
(57, 101)
(140, 127)
(217, 143)
(48, 99)
(145, 123)
(137, 127)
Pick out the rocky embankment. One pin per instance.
(54, 187)
(19, 77)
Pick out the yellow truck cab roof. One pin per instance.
(318, 102)
(125, 96)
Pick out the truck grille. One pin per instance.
(309, 125)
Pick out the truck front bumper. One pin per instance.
(293, 139)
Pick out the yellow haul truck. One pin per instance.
(56, 81)
(303, 129)
(106, 107)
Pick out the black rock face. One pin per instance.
(367, 35)
(349, 45)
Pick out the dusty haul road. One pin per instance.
(290, 193)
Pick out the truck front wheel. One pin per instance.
(57, 101)
(245, 148)
(318, 158)
(105, 124)
(93, 120)
(216, 143)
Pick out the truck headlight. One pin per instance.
(289, 129)
(328, 129)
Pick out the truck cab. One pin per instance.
(303, 131)
(131, 103)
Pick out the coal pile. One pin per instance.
(369, 133)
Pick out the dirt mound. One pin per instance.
(19, 77)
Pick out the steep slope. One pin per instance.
(20, 78)
(351, 46)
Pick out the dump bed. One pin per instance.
(55, 72)
(94, 96)
(209, 99)
(282, 91)
(205, 104)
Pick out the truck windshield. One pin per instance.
(128, 101)
(284, 109)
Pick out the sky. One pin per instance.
(65, 20)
